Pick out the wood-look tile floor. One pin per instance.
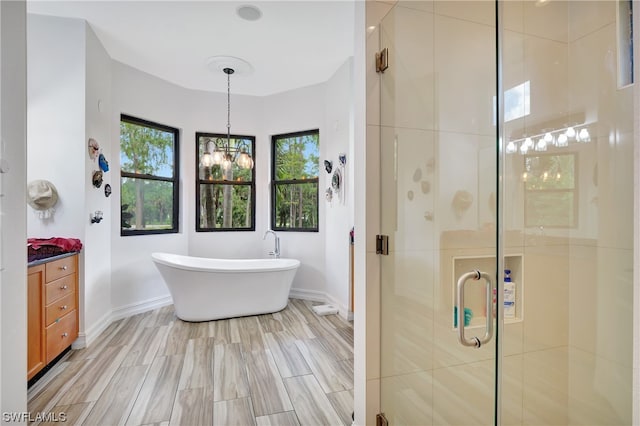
(287, 368)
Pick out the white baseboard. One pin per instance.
(321, 296)
(88, 336)
(80, 342)
(140, 307)
(312, 295)
(343, 311)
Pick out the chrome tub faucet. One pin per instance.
(276, 250)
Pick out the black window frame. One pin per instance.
(199, 182)
(175, 223)
(276, 183)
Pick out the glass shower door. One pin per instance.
(562, 350)
(438, 192)
(568, 196)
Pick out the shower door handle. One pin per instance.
(474, 342)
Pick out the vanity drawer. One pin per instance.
(60, 308)
(61, 334)
(60, 268)
(59, 288)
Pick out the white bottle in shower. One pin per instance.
(509, 296)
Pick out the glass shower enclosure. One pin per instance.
(506, 143)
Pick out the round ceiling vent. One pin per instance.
(219, 63)
(249, 12)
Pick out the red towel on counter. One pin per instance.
(66, 244)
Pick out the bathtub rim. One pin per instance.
(209, 264)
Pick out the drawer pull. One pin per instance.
(65, 334)
(64, 287)
(64, 268)
(63, 307)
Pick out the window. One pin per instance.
(294, 189)
(551, 199)
(517, 102)
(148, 177)
(225, 200)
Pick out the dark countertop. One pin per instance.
(49, 259)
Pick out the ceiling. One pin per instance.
(294, 44)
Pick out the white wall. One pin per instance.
(13, 282)
(96, 292)
(134, 278)
(56, 149)
(297, 110)
(338, 213)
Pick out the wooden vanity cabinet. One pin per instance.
(52, 310)
(36, 350)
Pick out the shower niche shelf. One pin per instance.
(475, 291)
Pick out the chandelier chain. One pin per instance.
(228, 109)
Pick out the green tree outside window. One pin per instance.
(294, 192)
(224, 198)
(148, 177)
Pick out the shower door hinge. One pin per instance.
(381, 420)
(382, 244)
(382, 60)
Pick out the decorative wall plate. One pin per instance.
(103, 163)
(96, 179)
(328, 166)
(336, 180)
(94, 148)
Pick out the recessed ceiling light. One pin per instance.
(249, 12)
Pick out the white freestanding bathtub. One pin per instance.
(207, 289)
